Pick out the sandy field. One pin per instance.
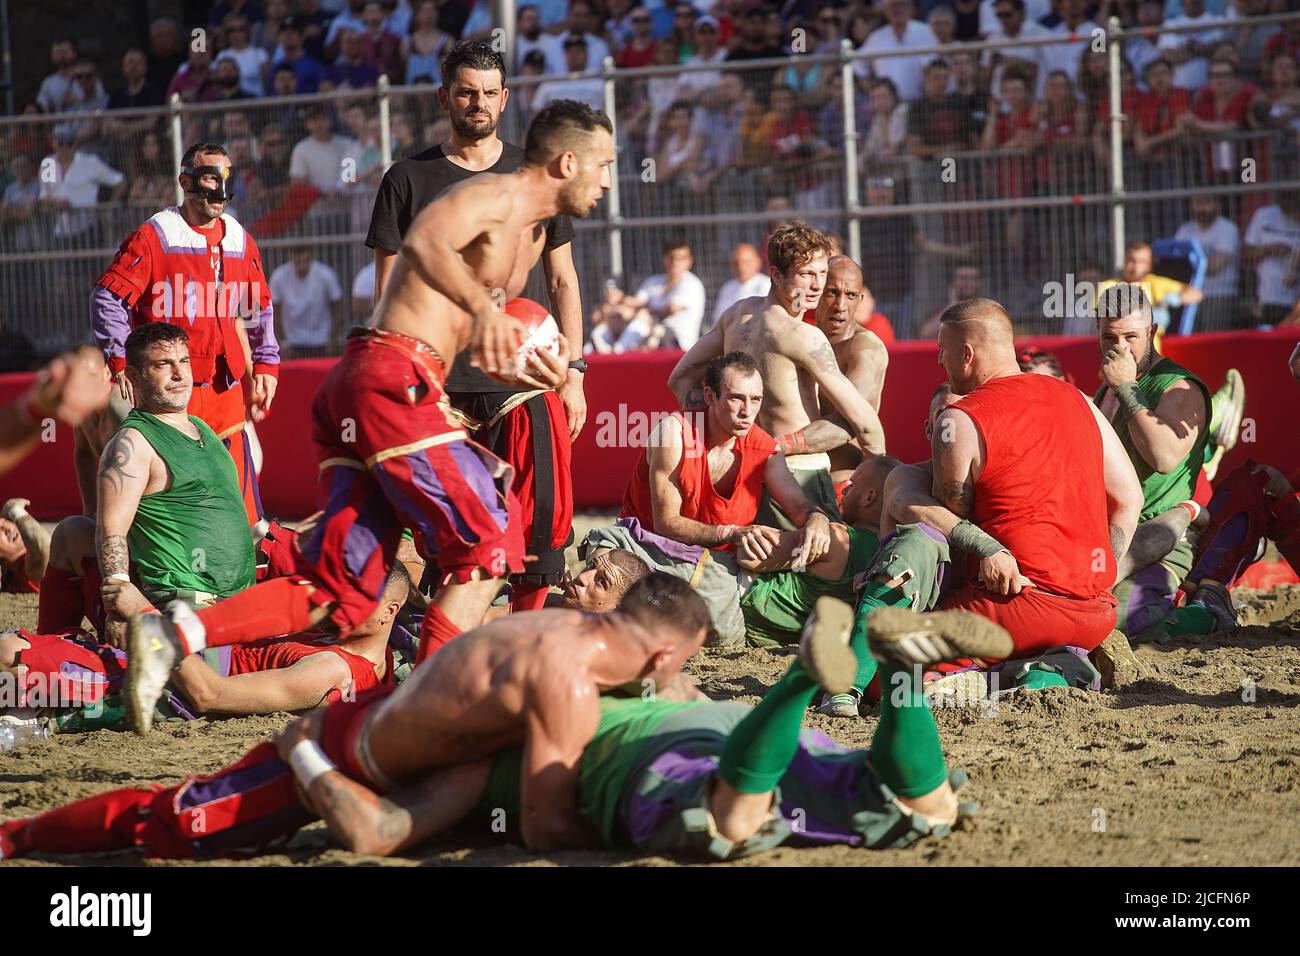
(1196, 761)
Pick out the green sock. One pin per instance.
(874, 594)
(761, 747)
(906, 750)
(1189, 619)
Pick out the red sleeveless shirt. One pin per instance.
(700, 500)
(1042, 492)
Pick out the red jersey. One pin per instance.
(166, 271)
(1042, 491)
(700, 500)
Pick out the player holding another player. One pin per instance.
(389, 456)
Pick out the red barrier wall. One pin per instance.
(624, 391)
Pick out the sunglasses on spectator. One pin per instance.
(83, 76)
(1006, 14)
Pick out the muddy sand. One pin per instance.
(1196, 762)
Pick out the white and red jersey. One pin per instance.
(168, 271)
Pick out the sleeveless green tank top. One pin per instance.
(1160, 492)
(193, 535)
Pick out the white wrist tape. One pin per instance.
(125, 578)
(309, 761)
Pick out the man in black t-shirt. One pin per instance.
(534, 434)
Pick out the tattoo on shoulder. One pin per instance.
(824, 358)
(960, 493)
(116, 463)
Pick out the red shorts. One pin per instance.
(1038, 621)
(279, 653)
(390, 459)
(248, 805)
(223, 412)
(14, 579)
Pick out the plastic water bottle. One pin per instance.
(13, 736)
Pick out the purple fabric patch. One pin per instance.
(674, 549)
(646, 815)
(477, 474)
(359, 544)
(230, 783)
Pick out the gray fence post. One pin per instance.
(385, 132)
(178, 146)
(851, 197)
(1117, 119)
(615, 214)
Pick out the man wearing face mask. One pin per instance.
(194, 265)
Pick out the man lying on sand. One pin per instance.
(715, 781)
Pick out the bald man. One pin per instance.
(862, 357)
(796, 361)
(1044, 497)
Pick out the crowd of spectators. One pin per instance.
(1026, 121)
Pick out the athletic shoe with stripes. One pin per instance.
(898, 635)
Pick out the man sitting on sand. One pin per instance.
(706, 780)
(532, 680)
(1160, 411)
(698, 486)
(1044, 542)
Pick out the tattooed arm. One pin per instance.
(123, 477)
(865, 368)
(365, 822)
(810, 350)
(35, 538)
(955, 447)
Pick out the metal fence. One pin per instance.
(949, 194)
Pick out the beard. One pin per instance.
(477, 127)
(1148, 358)
(161, 401)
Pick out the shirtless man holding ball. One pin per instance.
(389, 456)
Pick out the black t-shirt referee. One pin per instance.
(535, 437)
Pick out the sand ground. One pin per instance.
(1197, 762)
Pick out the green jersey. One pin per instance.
(194, 534)
(1160, 492)
(776, 605)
